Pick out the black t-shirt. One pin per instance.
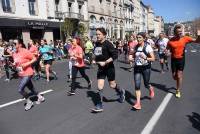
(104, 51)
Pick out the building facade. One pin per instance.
(116, 16)
(150, 16)
(37, 19)
(137, 15)
(26, 19)
(158, 25)
(129, 16)
(108, 14)
(143, 17)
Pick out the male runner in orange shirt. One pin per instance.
(177, 47)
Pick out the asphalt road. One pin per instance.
(62, 114)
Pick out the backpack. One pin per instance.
(144, 51)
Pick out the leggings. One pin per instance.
(74, 73)
(143, 71)
(26, 82)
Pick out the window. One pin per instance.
(102, 20)
(92, 19)
(32, 7)
(69, 6)
(6, 5)
(79, 8)
(56, 5)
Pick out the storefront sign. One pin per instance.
(37, 24)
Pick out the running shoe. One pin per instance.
(90, 85)
(162, 72)
(151, 92)
(178, 94)
(130, 70)
(137, 106)
(40, 99)
(98, 108)
(122, 96)
(55, 75)
(71, 92)
(7, 80)
(29, 105)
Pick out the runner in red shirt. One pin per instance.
(76, 56)
(23, 60)
(36, 65)
(177, 47)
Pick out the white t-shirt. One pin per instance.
(162, 43)
(151, 42)
(139, 61)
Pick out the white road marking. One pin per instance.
(152, 122)
(193, 51)
(20, 100)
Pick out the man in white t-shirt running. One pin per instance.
(161, 44)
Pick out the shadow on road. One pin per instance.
(129, 97)
(126, 69)
(93, 95)
(163, 87)
(122, 61)
(195, 120)
(78, 86)
(155, 70)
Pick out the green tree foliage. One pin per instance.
(81, 29)
(69, 26)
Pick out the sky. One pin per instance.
(175, 10)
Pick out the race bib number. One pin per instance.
(98, 51)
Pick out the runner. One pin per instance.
(125, 48)
(8, 60)
(68, 46)
(88, 50)
(177, 47)
(143, 56)
(161, 44)
(132, 44)
(76, 56)
(23, 60)
(47, 55)
(36, 65)
(105, 55)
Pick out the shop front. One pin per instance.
(28, 29)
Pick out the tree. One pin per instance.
(69, 27)
(81, 29)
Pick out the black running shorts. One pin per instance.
(177, 64)
(106, 72)
(163, 56)
(49, 62)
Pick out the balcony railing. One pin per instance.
(62, 15)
